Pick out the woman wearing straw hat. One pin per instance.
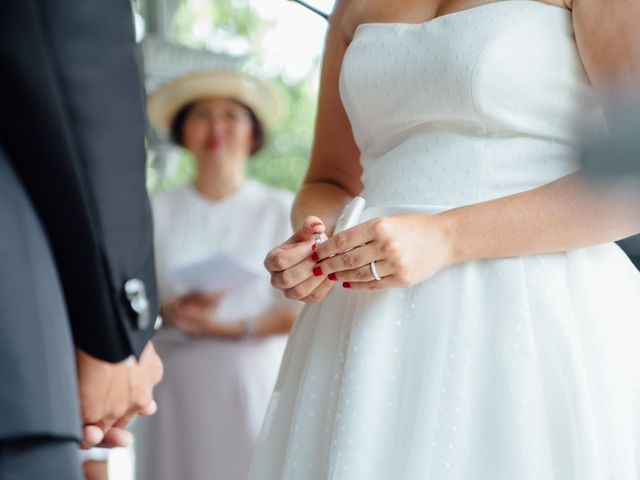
(221, 350)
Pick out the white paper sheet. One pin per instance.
(219, 272)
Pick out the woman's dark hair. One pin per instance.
(177, 124)
(177, 127)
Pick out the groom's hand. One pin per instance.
(111, 395)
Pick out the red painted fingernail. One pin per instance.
(313, 247)
(315, 257)
(346, 284)
(332, 276)
(317, 233)
(317, 271)
(316, 224)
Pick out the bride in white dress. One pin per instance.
(501, 341)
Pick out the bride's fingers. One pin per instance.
(311, 226)
(288, 255)
(293, 276)
(304, 289)
(351, 260)
(365, 273)
(346, 240)
(321, 292)
(389, 281)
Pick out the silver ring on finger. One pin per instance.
(374, 271)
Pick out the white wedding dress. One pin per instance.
(502, 369)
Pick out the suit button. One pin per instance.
(137, 296)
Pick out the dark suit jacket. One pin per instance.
(631, 246)
(75, 222)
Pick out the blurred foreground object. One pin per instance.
(615, 159)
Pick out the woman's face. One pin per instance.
(218, 130)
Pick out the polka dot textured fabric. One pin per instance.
(502, 369)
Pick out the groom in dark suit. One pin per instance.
(77, 283)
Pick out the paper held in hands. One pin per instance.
(219, 272)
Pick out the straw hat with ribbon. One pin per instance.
(264, 100)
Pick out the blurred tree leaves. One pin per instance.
(233, 27)
(217, 24)
(284, 160)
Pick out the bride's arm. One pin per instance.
(563, 215)
(566, 214)
(332, 180)
(334, 172)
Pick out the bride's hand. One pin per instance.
(407, 249)
(291, 265)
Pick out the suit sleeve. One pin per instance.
(72, 122)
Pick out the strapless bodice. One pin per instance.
(469, 106)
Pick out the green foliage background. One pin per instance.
(284, 159)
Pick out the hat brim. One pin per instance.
(263, 99)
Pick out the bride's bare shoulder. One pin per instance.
(568, 4)
(355, 12)
(343, 18)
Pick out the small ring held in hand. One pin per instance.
(319, 238)
(374, 271)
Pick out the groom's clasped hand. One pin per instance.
(111, 395)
